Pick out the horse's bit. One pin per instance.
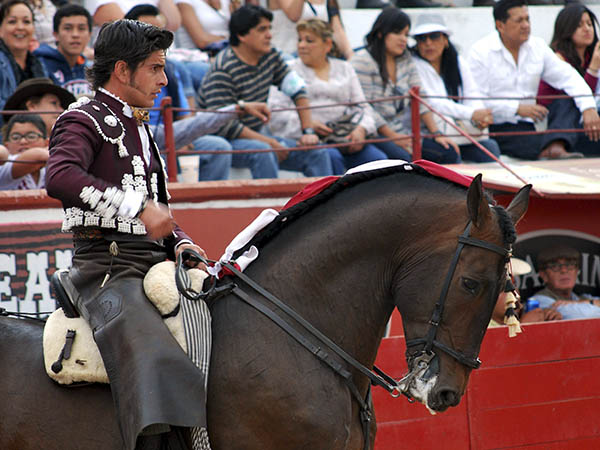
(420, 362)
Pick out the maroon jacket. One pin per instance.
(95, 155)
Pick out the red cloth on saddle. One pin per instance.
(431, 167)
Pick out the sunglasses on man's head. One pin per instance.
(432, 36)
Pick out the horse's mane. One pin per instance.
(287, 216)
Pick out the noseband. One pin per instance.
(420, 361)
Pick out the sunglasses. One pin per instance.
(556, 267)
(436, 35)
(398, 103)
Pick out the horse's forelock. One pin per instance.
(509, 233)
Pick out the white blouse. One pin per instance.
(342, 86)
(213, 21)
(434, 85)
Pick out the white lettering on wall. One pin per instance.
(37, 287)
(8, 265)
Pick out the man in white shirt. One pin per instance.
(509, 64)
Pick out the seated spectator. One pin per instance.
(575, 41)
(17, 63)
(385, 68)
(510, 63)
(103, 11)
(243, 72)
(66, 62)
(328, 80)
(43, 96)
(43, 11)
(507, 298)
(205, 23)
(558, 268)
(27, 142)
(444, 73)
(287, 12)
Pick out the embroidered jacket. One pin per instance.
(95, 156)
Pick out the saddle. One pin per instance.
(70, 353)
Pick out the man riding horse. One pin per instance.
(106, 170)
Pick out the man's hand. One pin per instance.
(404, 141)
(447, 142)
(357, 136)
(591, 124)
(535, 112)
(274, 144)
(541, 315)
(158, 220)
(256, 109)
(189, 262)
(483, 118)
(308, 139)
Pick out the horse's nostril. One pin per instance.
(448, 397)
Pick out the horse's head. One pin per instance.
(445, 320)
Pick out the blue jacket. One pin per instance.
(59, 71)
(8, 80)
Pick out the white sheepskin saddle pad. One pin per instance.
(84, 363)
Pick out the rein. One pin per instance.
(422, 359)
(377, 376)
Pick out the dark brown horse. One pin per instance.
(369, 244)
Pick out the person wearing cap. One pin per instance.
(444, 73)
(66, 63)
(558, 268)
(40, 95)
(508, 64)
(507, 300)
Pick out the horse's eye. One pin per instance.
(470, 285)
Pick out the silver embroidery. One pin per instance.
(138, 166)
(111, 121)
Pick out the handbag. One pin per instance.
(465, 125)
(342, 127)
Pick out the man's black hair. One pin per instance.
(70, 10)
(244, 19)
(501, 8)
(125, 40)
(34, 119)
(144, 9)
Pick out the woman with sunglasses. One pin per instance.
(575, 41)
(444, 73)
(385, 68)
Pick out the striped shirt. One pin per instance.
(395, 114)
(230, 79)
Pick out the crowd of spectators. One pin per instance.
(233, 59)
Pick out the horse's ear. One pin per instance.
(477, 204)
(518, 205)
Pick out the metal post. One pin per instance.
(167, 113)
(415, 120)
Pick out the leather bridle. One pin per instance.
(418, 362)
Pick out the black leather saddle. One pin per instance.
(62, 293)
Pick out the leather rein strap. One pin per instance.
(436, 317)
(379, 378)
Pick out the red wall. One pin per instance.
(539, 390)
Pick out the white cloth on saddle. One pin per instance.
(264, 218)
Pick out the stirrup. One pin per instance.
(62, 295)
